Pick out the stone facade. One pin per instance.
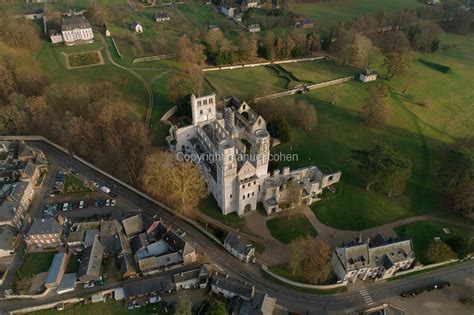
(377, 258)
(232, 150)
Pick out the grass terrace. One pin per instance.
(35, 263)
(74, 184)
(84, 59)
(287, 229)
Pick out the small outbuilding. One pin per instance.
(368, 75)
(162, 16)
(136, 27)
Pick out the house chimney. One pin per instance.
(276, 172)
(286, 170)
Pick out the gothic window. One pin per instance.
(243, 197)
(230, 196)
(200, 112)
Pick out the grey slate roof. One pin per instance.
(241, 245)
(55, 268)
(67, 282)
(44, 226)
(90, 236)
(73, 22)
(159, 284)
(109, 236)
(232, 285)
(91, 261)
(18, 191)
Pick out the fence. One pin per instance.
(303, 89)
(152, 58)
(116, 48)
(251, 65)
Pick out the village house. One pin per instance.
(136, 27)
(230, 288)
(303, 23)
(261, 304)
(233, 147)
(46, 232)
(376, 258)
(18, 199)
(67, 283)
(368, 75)
(193, 278)
(162, 16)
(149, 287)
(240, 248)
(249, 4)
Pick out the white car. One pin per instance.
(113, 203)
(81, 204)
(107, 203)
(65, 206)
(88, 285)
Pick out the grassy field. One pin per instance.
(53, 61)
(416, 132)
(423, 232)
(109, 308)
(35, 263)
(247, 83)
(327, 14)
(286, 229)
(318, 70)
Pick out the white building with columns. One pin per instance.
(232, 150)
(75, 29)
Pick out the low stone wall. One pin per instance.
(169, 113)
(332, 82)
(152, 58)
(28, 296)
(304, 285)
(259, 64)
(116, 48)
(45, 306)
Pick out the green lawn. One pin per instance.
(416, 132)
(73, 264)
(35, 263)
(74, 184)
(53, 61)
(284, 271)
(286, 229)
(247, 83)
(318, 70)
(109, 308)
(84, 59)
(327, 14)
(423, 232)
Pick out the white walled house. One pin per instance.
(233, 147)
(228, 11)
(240, 248)
(162, 16)
(368, 75)
(76, 30)
(136, 27)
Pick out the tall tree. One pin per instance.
(364, 51)
(99, 14)
(375, 108)
(178, 184)
(384, 168)
(183, 306)
(396, 63)
(216, 308)
(439, 252)
(312, 257)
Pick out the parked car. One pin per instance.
(105, 189)
(113, 195)
(101, 282)
(113, 202)
(100, 203)
(81, 204)
(65, 206)
(88, 285)
(154, 299)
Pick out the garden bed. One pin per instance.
(84, 59)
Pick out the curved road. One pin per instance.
(292, 299)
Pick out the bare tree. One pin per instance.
(312, 257)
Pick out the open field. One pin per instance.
(318, 70)
(287, 229)
(327, 14)
(422, 234)
(416, 132)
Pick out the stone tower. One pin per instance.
(260, 151)
(226, 176)
(203, 108)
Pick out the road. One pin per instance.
(292, 299)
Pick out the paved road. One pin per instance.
(290, 298)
